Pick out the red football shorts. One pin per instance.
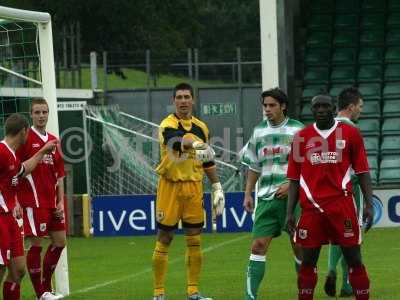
(12, 238)
(39, 221)
(337, 224)
(4, 242)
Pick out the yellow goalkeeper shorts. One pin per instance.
(182, 200)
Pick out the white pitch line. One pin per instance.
(147, 270)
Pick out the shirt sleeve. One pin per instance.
(249, 157)
(21, 152)
(59, 164)
(358, 155)
(294, 164)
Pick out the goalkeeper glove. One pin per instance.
(203, 151)
(218, 198)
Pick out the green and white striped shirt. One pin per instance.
(346, 121)
(267, 152)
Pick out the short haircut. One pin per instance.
(15, 123)
(183, 86)
(348, 96)
(278, 95)
(36, 101)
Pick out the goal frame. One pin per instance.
(48, 85)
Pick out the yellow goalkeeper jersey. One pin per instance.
(176, 163)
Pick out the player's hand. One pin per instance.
(368, 216)
(290, 224)
(282, 191)
(203, 151)
(49, 147)
(218, 198)
(248, 203)
(59, 212)
(17, 211)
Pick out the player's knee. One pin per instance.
(59, 243)
(165, 239)
(259, 247)
(352, 255)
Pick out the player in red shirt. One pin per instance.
(11, 171)
(319, 171)
(41, 196)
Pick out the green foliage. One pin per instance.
(164, 26)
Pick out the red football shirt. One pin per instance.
(10, 168)
(323, 162)
(38, 189)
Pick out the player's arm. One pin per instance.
(366, 188)
(293, 196)
(251, 181)
(360, 165)
(217, 194)
(293, 175)
(30, 164)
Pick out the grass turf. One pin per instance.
(120, 268)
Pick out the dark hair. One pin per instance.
(348, 96)
(38, 101)
(278, 95)
(183, 86)
(15, 123)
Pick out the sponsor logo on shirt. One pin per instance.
(272, 151)
(42, 227)
(303, 234)
(324, 158)
(35, 145)
(340, 144)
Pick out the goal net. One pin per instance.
(124, 151)
(26, 63)
(26, 72)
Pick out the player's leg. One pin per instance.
(58, 238)
(16, 267)
(310, 234)
(267, 225)
(194, 261)
(53, 253)
(193, 222)
(34, 264)
(12, 283)
(297, 255)
(346, 289)
(307, 276)
(160, 260)
(334, 255)
(358, 276)
(168, 211)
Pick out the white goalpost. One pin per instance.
(27, 65)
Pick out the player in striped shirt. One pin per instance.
(350, 104)
(266, 157)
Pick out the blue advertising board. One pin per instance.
(131, 215)
(234, 218)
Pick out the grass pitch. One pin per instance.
(120, 268)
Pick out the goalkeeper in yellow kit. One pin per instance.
(185, 157)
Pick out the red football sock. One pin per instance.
(49, 264)
(33, 264)
(11, 291)
(358, 278)
(306, 282)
